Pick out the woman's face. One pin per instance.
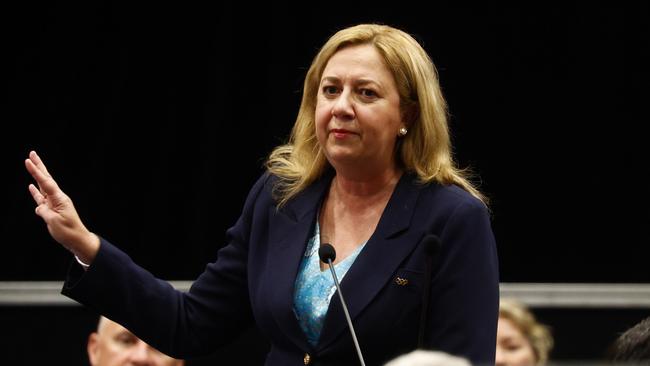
(513, 348)
(357, 111)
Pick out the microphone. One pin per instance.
(327, 255)
(431, 245)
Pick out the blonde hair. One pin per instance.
(537, 334)
(425, 151)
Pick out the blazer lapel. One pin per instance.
(290, 228)
(377, 262)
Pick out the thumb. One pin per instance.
(45, 213)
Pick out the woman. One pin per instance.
(521, 340)
(368, 169)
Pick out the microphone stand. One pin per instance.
(345, 310)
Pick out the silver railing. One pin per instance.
(537, 295)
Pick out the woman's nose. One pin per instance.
(343, 109)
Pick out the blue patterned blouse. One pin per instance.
(314, 288)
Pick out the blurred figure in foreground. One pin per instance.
(114, 345)
(428, 358)
(633, 346)
(521, 339)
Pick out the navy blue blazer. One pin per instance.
(252, 281)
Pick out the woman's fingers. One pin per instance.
(38, 163)
(47, 195)
(36, 173)
(46, 184)
(39, 198)
(42, 208)
(58, 212)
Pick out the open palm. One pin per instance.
(58, 212)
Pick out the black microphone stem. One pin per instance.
(345, 310)
(426, 294)
(431, 245)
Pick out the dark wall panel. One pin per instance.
(156, 118)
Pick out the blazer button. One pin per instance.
(307, 359)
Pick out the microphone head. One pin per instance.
(431, 244)
(326, 252)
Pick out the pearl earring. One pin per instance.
(403, 131)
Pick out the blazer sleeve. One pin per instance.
(182, 325)
(465, 289)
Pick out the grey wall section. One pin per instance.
(538, 295)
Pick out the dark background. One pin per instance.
(156, 119)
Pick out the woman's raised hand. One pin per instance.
(58, 212)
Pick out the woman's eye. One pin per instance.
(368, 93)
(330, 90)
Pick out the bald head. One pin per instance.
(114, 345)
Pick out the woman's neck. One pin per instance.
(354, 190)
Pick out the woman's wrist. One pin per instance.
(85, 254)
(82, 264)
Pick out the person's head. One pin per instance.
(633, 346)
(112, 344)
(428, 358)
(378, 84)
(521, 339)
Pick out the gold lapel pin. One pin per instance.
(401, 281)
